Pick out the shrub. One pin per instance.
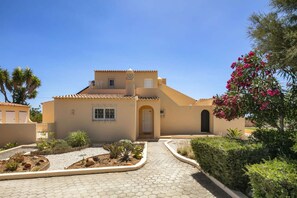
(276, 178)
(11, 165)
(18, 157)
(60, 145)
(78, 139)
(234, 134)
(114, 149)
(277, 143)
(225, 159)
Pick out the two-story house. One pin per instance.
(131, 104)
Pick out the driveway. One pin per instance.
(162, 176)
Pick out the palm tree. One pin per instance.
(22, 85)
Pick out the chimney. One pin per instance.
(130, 83)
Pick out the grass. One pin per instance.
(250, 130)
(184, 148)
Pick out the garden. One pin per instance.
(74, 152)
(264, 164)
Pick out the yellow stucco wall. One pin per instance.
(22, 133)
(16, 109)
(48, 115)
(221, 125)
(76, 114)
(120, 79)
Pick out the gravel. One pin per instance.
(60, 161)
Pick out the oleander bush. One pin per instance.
(225, 159)
(277, 143)
(275, 178)
(78, 139)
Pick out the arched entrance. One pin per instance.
(205, 121)
(146, 122)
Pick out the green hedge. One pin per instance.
(276, 178)
(225, 159)
(277, 143)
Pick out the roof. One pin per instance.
(149, 98)
(12, 104)
(83, 89)
(204, 102)
(125, 70)
(94, 96)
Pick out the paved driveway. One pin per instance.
(162, 176)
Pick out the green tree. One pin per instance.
(36, 115)
(22, 85)
(276, 33)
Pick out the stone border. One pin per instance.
(18, 147)
(232, 193)
(70, 172)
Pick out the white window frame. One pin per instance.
(148, 80)
(104, 118)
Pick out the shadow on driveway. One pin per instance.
(209, 185)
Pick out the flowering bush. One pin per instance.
(254, 91)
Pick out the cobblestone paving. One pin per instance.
(162, 176)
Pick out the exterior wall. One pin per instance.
(177, 96)
(21, 133)
(16, 109)
(221, 125)
(155, 104)
(178, 119)
(120, 79)
(77, 114)
(48, 114)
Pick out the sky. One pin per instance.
(192, 43)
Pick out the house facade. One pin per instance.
(14, 113)
(129, 104)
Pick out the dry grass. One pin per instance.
(184, 148)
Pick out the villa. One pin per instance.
(131, 104)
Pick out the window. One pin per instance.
(148, 83)
(111, 83)
(104, 114)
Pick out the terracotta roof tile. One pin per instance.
(149, 98)
(12, 104)
(94, 96)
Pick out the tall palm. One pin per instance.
(22, 85)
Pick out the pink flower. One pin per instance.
(251, 53)
(233, 65)
(228, 86)
(264, 105)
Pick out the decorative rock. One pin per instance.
(90, 162)
(35, 157)
(27, 166)
(40, 161)
(96, 159)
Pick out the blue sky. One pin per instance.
(192, 43)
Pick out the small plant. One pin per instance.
(234, 134)
(185, 149)
(60, 145)
(78, 139)
(137, 152)
(11, 165)
(114, 150)
(18, 157)
(126, 147)
(10, 145)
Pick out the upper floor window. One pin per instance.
(148, 83)
(100, 113)
(111, 83)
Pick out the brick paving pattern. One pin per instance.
(162, 176)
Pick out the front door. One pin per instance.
(204, 121)
(147, 120)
